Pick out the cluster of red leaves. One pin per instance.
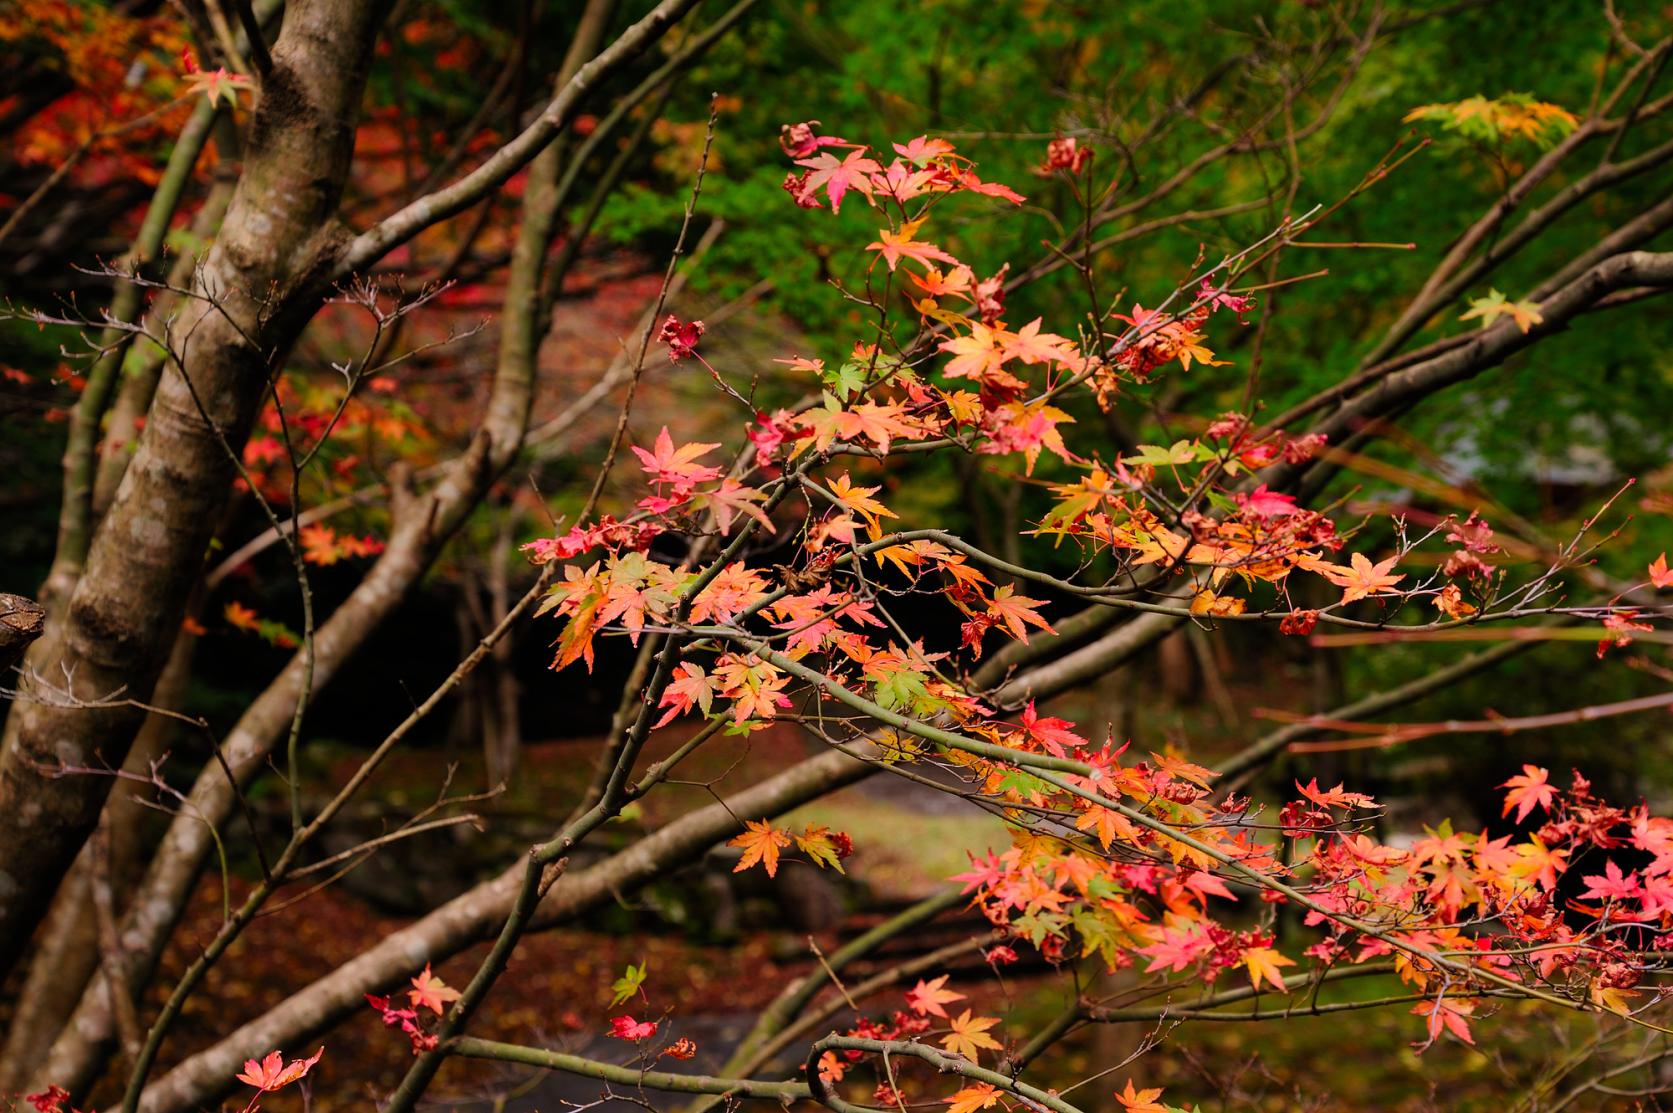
(428, 993)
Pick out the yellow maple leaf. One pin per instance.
(1263, 962)
(969, 1034)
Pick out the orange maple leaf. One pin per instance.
(1141, 1101)
(1263, 963)
(1660, 575)
(1363, 579)
(1016, 612)
(896, 246)
(859, 500)
(430, 992)
(761, 843)
(972, 1098)
(1528, 790)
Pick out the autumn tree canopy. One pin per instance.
(1054, 545)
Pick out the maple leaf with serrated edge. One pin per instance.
(631, 982)
(689, 685)
(895, 246)
(761, 843)
(677, 466)
(1262, 964)
(820, 847)
(1016, 612)
(838, 176)
(1361, 579)
(430, 992)
(927, 998)
(970, 1034)
(859, 500)
(1050, 732)
(972, 1098)
(732, 498)
(1528, 790)
(1612, 884)
(1660, 575)
(273, 1073)
(1141, 1101)
(756, 690)
(1451, 1015)
(1525, 314)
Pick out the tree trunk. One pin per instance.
(68, 951)
(259, 285)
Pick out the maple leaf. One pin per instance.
(1495, 305)
(1612, 884)
(972, 1098)
(1540, 862)
(626, 1028)
(628, 984)
(923, 150)
(1177, 950)
(217, 85)
(1450, 602)
(677, 466)
(761, 843)
(1660, 574)
(690, 685)
(895, 246)
(319, 545)
(732, 498)
(1032, 346)
(970, 1034)
(1333, 797)
(859, 500)
(1528, 790)
(1452, 1015)
(756, 690)
(927, 998)
(1363, 579)
(1052, 733)
(430, 992)
(825, 848)
(1263, 503)
(979, 356)
(1141, 1101)
(838, 176)
(1614, 999)
(878, 422)
(1016, 612)
(1263, 963)
(240, 617)
(272, 1072)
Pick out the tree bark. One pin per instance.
(423, 524)
(21, 622)
(260, 283)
